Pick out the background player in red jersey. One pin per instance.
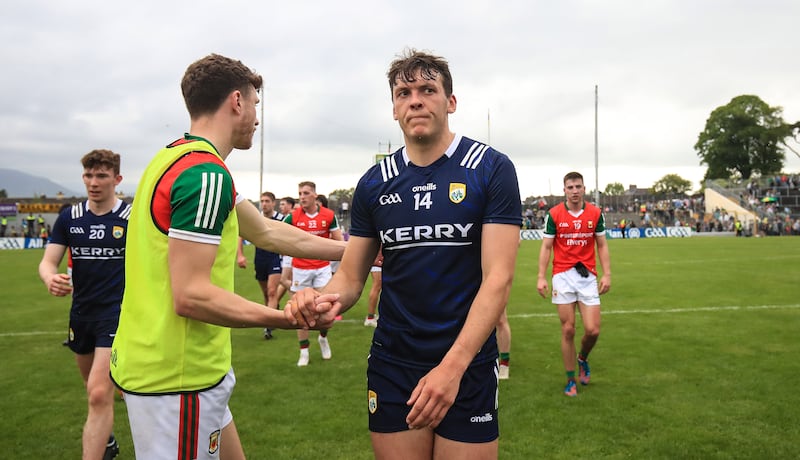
(572, 230)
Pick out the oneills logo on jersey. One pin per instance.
(372, 401)
(117, 232)
(458, 192)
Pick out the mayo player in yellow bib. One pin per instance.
(172, 352)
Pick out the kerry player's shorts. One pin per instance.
(85, 336)
(472, 417)
(266, 266)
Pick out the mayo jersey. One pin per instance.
(429, 222)
(185, 193)
(574, 235)
(96, 250)
(320, 224)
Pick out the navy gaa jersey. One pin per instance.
(429, 223)
(97, 247)
(262, 256)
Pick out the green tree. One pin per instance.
(3, 193)
(672, 184)
(614, 189)
(743, 138)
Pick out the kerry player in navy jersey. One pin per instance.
(93, 231)
(446, 211)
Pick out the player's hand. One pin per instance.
(604, 285)
(300, 309)
(241, 262)
(328, 308)
(541, 286)
(433, 396)
(58, 284)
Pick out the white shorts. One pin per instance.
(570, 287)
(375, 268)
(315, 278)
(186, 425)
(286, 261)
(334, 265)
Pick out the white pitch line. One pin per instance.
(669, 310)
(535, 315)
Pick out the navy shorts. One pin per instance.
(267, 265)
(85, 336)
(472, 418)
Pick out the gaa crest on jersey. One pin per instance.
(372, 401)
(117, 232)
(213, 442)
(458, 192)
(590, 224)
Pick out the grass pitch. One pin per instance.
(697, 359)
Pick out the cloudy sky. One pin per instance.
(86, 74)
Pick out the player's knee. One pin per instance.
(100, 395)
(568, 331)
(592, 332)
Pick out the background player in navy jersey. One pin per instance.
(446, 211)
(572, 229)
(268, 264)
(94, 232)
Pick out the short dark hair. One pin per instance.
(323, 200)
(307, 183)
(101, 158)
(208, 81)
(269, 194)
(413, 62)
(573, 175)
(289, 200)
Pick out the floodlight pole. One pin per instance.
(261, 165)
(596, 175)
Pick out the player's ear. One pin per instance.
(451, 104)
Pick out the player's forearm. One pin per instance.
(53, 254)
(348, 286)
(283, 238)
(605, 260)
(482, 319)
(214, 305)
(544, 261)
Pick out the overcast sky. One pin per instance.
(80, 75)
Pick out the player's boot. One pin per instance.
(324, 347)
(503, 374)
(267, 334)
(303, 361)
(112, 448)
(571, 389)
(373, 322)
(585, 373)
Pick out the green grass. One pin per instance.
(697, 359)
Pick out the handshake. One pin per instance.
(308, 309)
